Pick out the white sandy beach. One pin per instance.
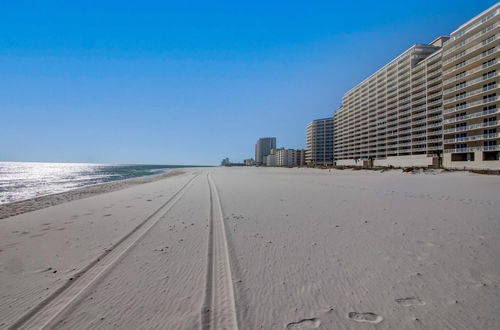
(260, 248)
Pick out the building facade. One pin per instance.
(249, 162)
(320, 142)
(289, 157)
(270, 160)
(263, 148)
(434, 104)
(471, 102)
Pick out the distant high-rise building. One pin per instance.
(320, 142)
(289, 157)
(249, 162)
(263, 148)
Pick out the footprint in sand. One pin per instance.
(304, 324)
(410, 301)
(365, 317)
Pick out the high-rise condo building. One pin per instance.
(289, 157)
(470, 89)
(396, 116)
(319, 140)
(263, 148)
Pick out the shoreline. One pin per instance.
(37, 203)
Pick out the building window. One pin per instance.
(490, 39)
(490, 131)
(489, 98)
(489, 74)
(461, 64)
(460, 95)
(461, 105)
(489, 86)
(486, 52)
(489, 63)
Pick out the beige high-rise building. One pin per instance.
(319, 141)
(395, 116)
(471, 102)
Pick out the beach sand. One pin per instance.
(261, 248)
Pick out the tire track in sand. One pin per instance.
(219, 308)
(48, 312)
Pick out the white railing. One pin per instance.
(469, 83)
(434, 125)
(469, 94)
(473, 138)
(471, 105)
(471, 116)
(472, 60)
(470, 39)
(471, 149)
(471, 127)
(440, 101)
(471, 72)
(470, 50)
(472, 26)
(435, 110)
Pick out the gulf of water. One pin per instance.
(20, 181)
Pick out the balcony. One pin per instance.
(470, 39)
(470, 73)
(471, 127)
(470, 50)
(471, 116)
(473, 138)
(472, 149)
(470, 83)
(471, 61)
(471, 27)
(470, 94)
(471, 105)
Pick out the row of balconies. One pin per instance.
(472, 149)
(467, 51)
(470, 39)
(470, 94)
(478, 137)
(470, 83)
(471, 72)
(471, 61)
(463, 33)
(470, 105)
(471, 127)
(471, 116)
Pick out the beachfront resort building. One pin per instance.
(270, 160)
(263, 148)
(434, 104)
(319, 140)
(289, 157)
(471, 106)
(249, 162)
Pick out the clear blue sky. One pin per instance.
(191, 82)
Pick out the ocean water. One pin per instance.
(20, 181)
